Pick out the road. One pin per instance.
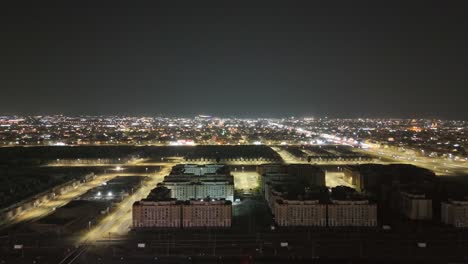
(49, 206)
(440, 166)
(119, 221)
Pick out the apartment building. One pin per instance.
(206, 213)
(300, 213)
(455, 213)
(415, 206)
(351, 213)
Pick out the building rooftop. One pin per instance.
(159, 193)
(200, 170)
(344, 193)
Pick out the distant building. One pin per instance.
(300, 213)
(269, 180)
(415, 206)
(371, 177)
(352, 213)
(313, 207)
(186, 187)
(287, 174)
(297, 196)
(206, 213)
(200, 170)
(189, 181)
(309, 174)
(271, 168)
(455, 213)
(159, 210)
(157, 214)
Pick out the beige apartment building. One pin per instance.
(157, 214)
(415, 206)
(200, 170)
(455, 213)
(160, 210)
(185, 187)
(300, 213)
(352, 213)
(206, 213)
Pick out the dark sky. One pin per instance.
(230, 58)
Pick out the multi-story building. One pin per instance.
(189, 181)
(185, 187)
(206, 213)
(300, 213)
(308, 174)
(313, 207)
(371, 177)
(351, 213)
(455, 213)
(158, 210)
(415, 205)
(278, 174)
(200, 170)
(271, 168)
(299, 198)
(269, 180)
(156, 214)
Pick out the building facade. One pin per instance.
(271, 168)
(286, 174)
(351, 213)
(157, 214)
(415, 206)
(186, 187)
(206, 213)
(455, 213)
(300, 213)
(200, 170)
(159, 210)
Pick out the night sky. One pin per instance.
(233, 59)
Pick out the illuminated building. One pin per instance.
(300, 213)
(185, 187)
(188, 181)
(352, 213)
(206, 213)
(158, 210)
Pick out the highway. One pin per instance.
(440, 166)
